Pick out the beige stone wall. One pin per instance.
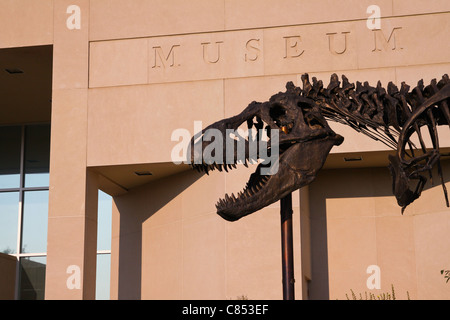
(137, 84)
(172, 245)
(26, 23)
(356, 223)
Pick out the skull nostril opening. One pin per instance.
(276, 111)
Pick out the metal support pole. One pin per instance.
(287, 252)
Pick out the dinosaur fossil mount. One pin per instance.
(390, 115)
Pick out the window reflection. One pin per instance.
(24, 181)
(104, 221)
(9, 209)
(32, 278)
(103, 274)
(34, 222)
(37, 156)
(10, 141)
(104, 216)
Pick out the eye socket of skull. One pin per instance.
(278, 113)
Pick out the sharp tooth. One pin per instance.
(268, 130)
(227, 197)
(234, 165)
(225, 167)
(219, 167)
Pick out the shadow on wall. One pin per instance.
(135, 208)
(349, 183)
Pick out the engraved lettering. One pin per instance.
(378, 34)
(252, 46)
(163, 60)
(292, 49)
(206, 55)
(331, 42)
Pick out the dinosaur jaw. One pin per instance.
(260, 190)
(298, 165)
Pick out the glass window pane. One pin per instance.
(10, 141)
(9, 210)
(37, 155)
(104, 221)
(34, 221)
(32, 278)
(103, 276)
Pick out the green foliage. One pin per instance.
(371, 296)
(446, 274)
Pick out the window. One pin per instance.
(10, 147)
(103, 274)
(24, 184)
(24, 191)
(9, 209)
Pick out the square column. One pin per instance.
(72, 223)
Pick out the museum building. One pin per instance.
(93, 205)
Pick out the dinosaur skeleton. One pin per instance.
(393, 116)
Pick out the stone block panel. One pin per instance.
(349, 45)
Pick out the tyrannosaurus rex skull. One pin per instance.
(298, 142)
